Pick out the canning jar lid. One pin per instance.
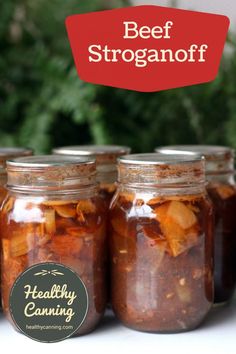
(105, 154)
(7, 153)
(210, 152)
(160, 169)
(218, 158)
(158, 159)
(44, 161)
(49, 172)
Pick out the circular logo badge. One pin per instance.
(48, 302)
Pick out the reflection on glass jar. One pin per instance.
(222, 190)
(161, 243)
(106, 159)
(53, 213)
(5, 154)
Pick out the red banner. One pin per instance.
(147, 48)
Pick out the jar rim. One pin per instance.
(13, 151)
(159, 159)
(162, 170)
(210, 152)
(47, 173)
(45, 161)
(91, 150)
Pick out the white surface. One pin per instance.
(217, 336)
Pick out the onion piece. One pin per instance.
(66, 211)
(50, 222)
(86, 207)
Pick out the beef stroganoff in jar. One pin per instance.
(53, 213)
(161, 243)
(222, 191)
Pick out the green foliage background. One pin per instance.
(44, 104)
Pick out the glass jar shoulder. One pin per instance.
(25, 206)
(32, 223)
(147, 203)
(175, 222)
(222, 191)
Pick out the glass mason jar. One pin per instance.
(106, 158)
(53, 213)
(161, 243)
(5, 154)
(222, 191)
